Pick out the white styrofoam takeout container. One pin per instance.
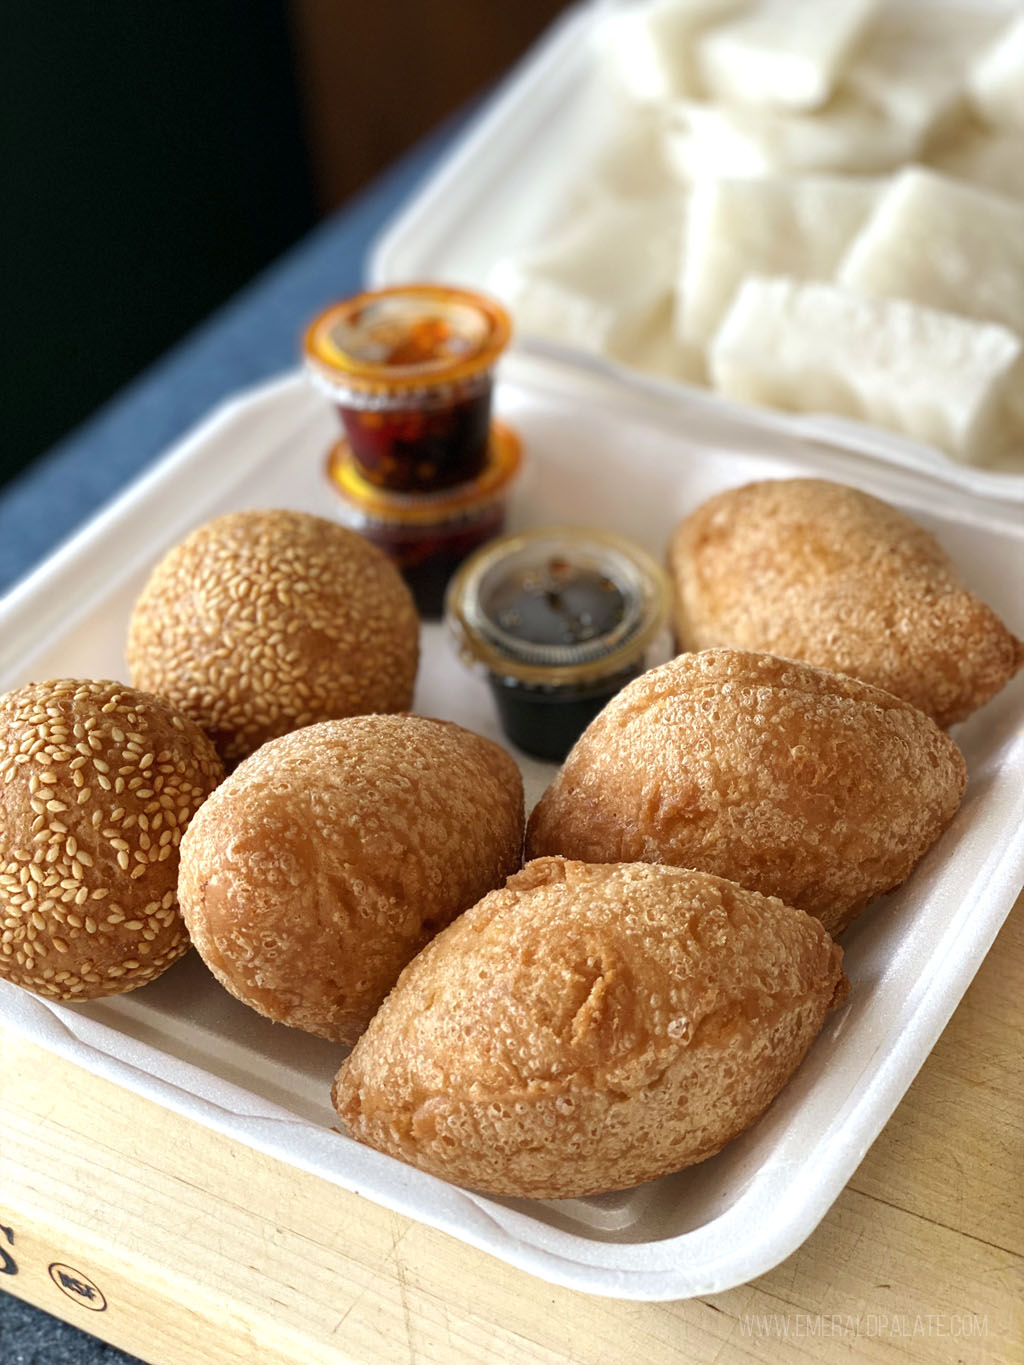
(599, 450)
(517, 172)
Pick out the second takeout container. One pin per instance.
(503, 187)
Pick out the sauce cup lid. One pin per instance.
(557, 605)
(504, 460)
(404, 338)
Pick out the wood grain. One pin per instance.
(209, 1252)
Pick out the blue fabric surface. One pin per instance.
(252, 337)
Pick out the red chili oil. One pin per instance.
(421, 448)
(428, 536)
(411, 371)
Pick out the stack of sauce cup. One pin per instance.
(422, 468)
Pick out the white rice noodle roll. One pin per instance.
(598, 281)
(914, 62)
(784, 53)
(997, 78)
(779, 225)
(648, 49)
(945, 244)
(810, 347)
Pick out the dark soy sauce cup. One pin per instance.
(559, 619)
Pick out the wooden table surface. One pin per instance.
(205, 1252)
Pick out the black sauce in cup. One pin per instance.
(560, 619)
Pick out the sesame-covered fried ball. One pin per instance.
(262, 622)
(97, 785)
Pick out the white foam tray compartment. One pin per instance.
(601, 452)
(505, 184)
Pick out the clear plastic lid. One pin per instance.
(405, 338)
(557, 605)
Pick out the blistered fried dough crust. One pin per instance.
(261, 622)
(333, 854)
(817, 571)
(787, 779)
(587, 1028)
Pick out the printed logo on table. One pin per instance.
(77, 1286)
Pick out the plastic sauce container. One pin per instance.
(560, 619)
(428, 535)
(411, 371)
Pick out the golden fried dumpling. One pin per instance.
(587, 1028)
(790, 780)
(332, 854)
(814, 570)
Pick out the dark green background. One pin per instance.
(151, 161)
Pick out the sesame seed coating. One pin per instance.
(263, 622)
(787, 779)
(586, 1028)
(331, 856)
(814, 570)
(77, 919)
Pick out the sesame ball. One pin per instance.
(260, 623)
(97, 785)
